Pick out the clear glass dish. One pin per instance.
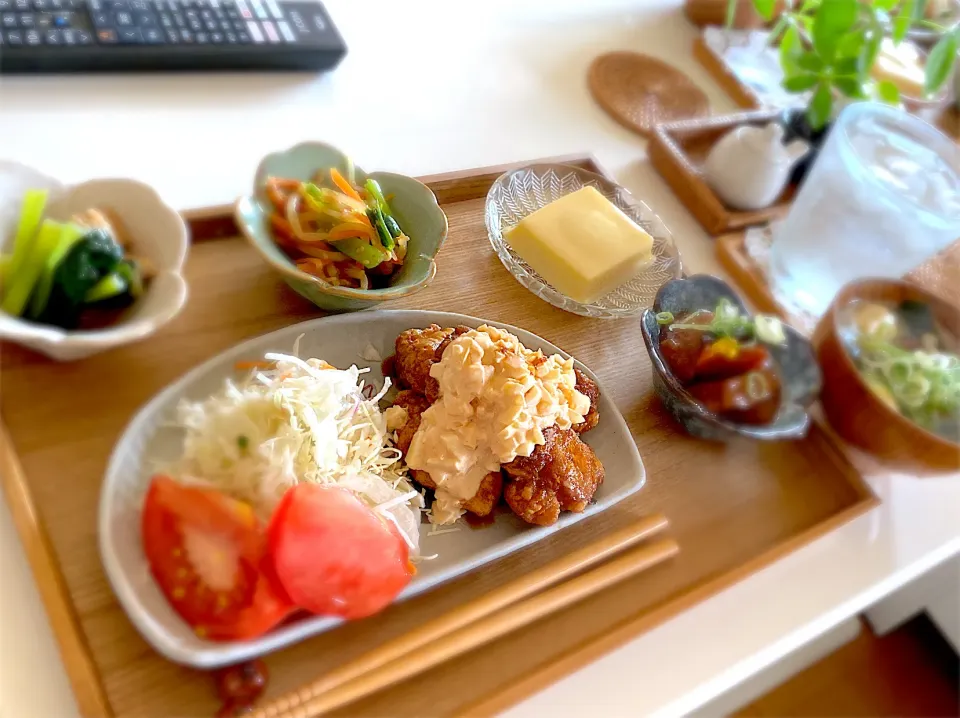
(521, 192)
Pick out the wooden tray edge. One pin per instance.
(723, 76)
(549, 673)
(75, 654)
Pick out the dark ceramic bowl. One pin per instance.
(795, 360)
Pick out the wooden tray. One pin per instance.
(939, 274)
(733, 508)
(678, 150)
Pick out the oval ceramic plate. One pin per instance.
(521, 192)
(343, 340)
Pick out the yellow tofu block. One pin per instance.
(582, 245)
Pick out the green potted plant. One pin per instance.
(828, 48)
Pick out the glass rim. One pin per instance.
(917, 126)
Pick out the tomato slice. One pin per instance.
(208, 554)
(334, 555)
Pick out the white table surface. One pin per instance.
(429, 86)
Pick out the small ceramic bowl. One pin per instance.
(415, 206)
(799, 373)
(852, 408)
(157, 233)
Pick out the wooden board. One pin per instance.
(733, 508)
(678, 151)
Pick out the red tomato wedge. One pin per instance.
(334, 555)
(208, 554)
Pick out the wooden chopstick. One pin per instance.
(443, 626)
(492, 627)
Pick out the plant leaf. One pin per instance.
(939, 62)
(885, 5)
(789, 50)
(764, 8)
(818, 111)
(809, 61)
(847, 66)
(731, 13)
(800, 83)
(851, 44)
(888, 92)
(833, 20)
(850, 87)
(903, 20)
(868, 54)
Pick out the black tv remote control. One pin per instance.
(56, 36)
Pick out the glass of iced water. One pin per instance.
(882, 196)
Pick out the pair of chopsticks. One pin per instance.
(481, 621)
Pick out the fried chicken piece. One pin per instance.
(483, 502)
(491, 488)
(562, 474)
(587, 387)
(414, 404)
(415, 353)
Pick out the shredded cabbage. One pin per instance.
(300, 421)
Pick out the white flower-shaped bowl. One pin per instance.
(157, 233)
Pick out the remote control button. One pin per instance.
(186, 36)
(131, 36)
(201, 38)
(206, 14)
(14, 37)
(274, 9)
(231, 37)
(119, 6)
(43, 21)
(210, 25)
(32, 37)
(6, 5)
(97, 6)
(124, 19)
(27, 20)
(21, 4)
(286, 31)
(102, 19)
(271, 32)
(140, 6)
(62, 19)
(144, 19)
(69, 36)
(179, 20)
(255, 33)
(84, 37)
(243, 37)
(107, 37)
(9, 20)
(166, 20)
(41, 5)
(152, 36)
(195, 25)
(259, 10)
(216, 38)
(52, 37)
(244, 10)
(231, 12)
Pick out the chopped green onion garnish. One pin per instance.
(243, 442)
(769, 329)
(664, 318)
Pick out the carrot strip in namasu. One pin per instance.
(347, 233)
(279, 189)
(282, 232)
(340, 181)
